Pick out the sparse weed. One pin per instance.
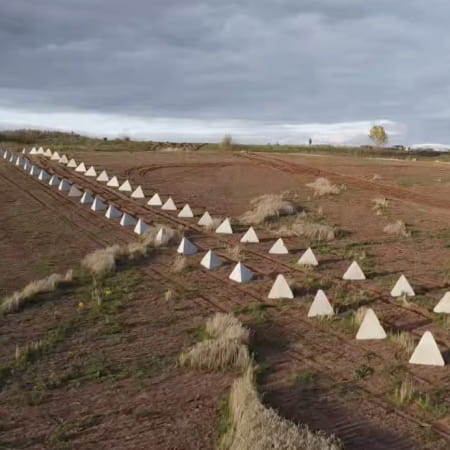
(403, 392)
(363, 372)
(265, 208)
(322, 186)
(404, 340)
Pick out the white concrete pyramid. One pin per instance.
(127, 220)
(103, 177)
(206, 220)
(11, 159)
(24, 151)
(113, 182)
(225, 227)
(72, 164)
(86, 198)
(320, 306)
(27, 165)
(91, 172)
(280, 288)
(112, 212)
(162, 237)
(279, 248)
(55, 157)
(308, 258)
(34, 171)
(370, 327)
(54, 181)
(241, 274)
(125, 186)
(19, 161)
(48, 153)
(63, 160)
(81, 168)
(427, 352)
(211, 261)
(43, 175)
(444, 304)
(402, 287)
(138, 193)
(40, 151)
(33, 151)
(74, 192)
(98, 205)
(5, 154)
(186, 212)
(169, 205)
(64, 185)
(155, 200)
(354, 273)
(186, 247)
(141, 227)
(250, 236)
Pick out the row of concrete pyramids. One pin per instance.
(426, 352)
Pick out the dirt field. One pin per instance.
(312, 368)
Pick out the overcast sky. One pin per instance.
(260, 70)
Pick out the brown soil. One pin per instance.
(360, 411)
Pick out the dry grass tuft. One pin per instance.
(397, 228)
(234, 252)
(380, 205)
(213, 225)
(322, 186)
(310, 230)
(376, 177)
(225, 349)
(169, 295)
(179, 264)
(253, 426)
(405, 392)
(358, 316)
(267, 207)
(18, 299)
(404, 340)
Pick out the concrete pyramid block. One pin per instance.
(64, 185)
(55, 156)
(63, 160)
(24, 151)
(308, 259)
(86, 198)
(81, 168)
(112, 212)
(206, 220)
(33, 151)
(250, 236)
(91, 172)
(155, 200)
(5, 154)
(141, 227)
(103, 177)
(186, 247)
(72, 164)
(370, 327)
(98, 205)
(186, 212)
(211, 261)
(125, 187)
(402, 287)
(43, 175)
(320, 306)
(280, 288)
(54, 181)
(27, 166)
(162, 237)
(11, 159)
(74, 191)
(34, 171)
(18, 161)
(127, 220)
(40, 151)
(113, 182)
(225, 227)
(241, 274)
(48, 153)
(427, 352)
(169, 205)
(138, 193)
(444, 304)
(354, 273)
(279, 248)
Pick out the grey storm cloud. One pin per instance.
(273, 61)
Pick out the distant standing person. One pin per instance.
(310, 141)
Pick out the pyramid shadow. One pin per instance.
(312, 406)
